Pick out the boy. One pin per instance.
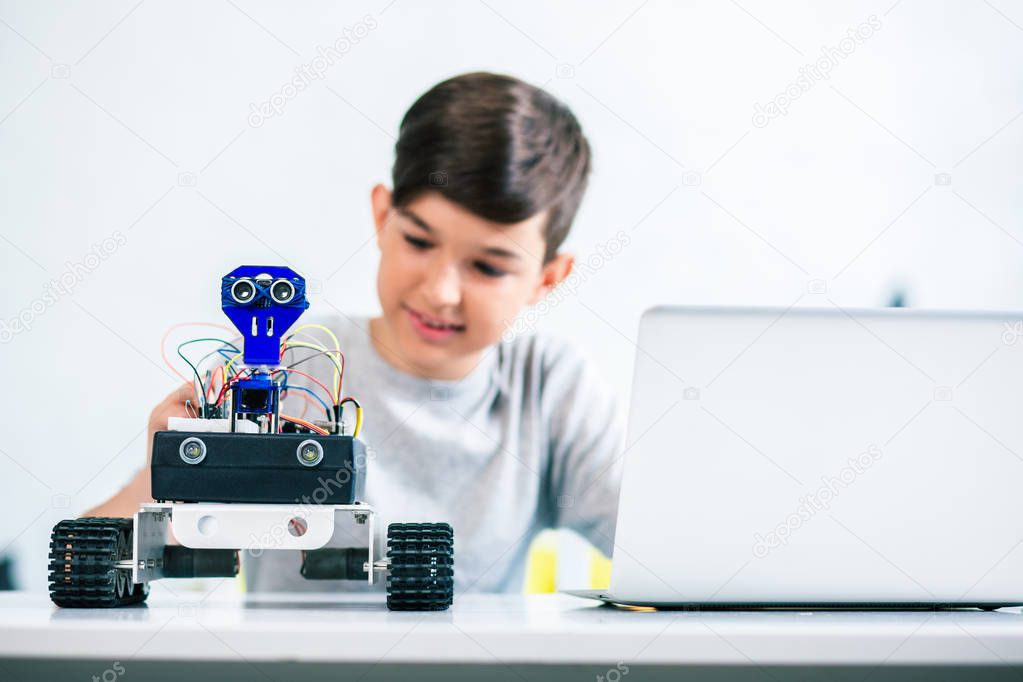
(499, 438)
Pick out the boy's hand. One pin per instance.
(171, 406)
(126, 501)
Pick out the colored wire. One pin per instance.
(208, 387)
(202, 389)
(202, 386)
(318, 354)
(307, 376)
(223, 380)
(223, 352)
(224, 355)
(311, 339)
(339, 377)
(285, 387)
(306, 402)
(227, 368)
(326, 408)
(358, 414)
(227, 385)
(339, 367)
(337, 396)
(333, 337)
(303, 422)
(163, 342)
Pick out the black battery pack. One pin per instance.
(257, 468)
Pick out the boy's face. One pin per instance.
(450, 281)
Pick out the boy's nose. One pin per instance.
(442, 286)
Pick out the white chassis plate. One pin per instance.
(239, 526)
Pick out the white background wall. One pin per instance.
(128, 118)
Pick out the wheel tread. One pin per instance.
(421, 576)
(83, 554)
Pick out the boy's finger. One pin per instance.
(182, 393)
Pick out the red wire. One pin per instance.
(307, 376)
(222, 394)
(340, 374)
(163, 342)
(309, 400)
(213, 380)
(335, 398)
(305, 405)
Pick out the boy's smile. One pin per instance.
(432, 328)
(450, 281)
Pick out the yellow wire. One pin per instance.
(337, 347)
(319, 347)
(337, 364)
(334, 359)
(227, 368)
(333, 337)
(358, 415)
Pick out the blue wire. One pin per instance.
(227, 355)
(318, 398)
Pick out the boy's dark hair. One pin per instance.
(497, 146)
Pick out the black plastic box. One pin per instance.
(258, 468)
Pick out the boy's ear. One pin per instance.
(380, 201)
(554, 273)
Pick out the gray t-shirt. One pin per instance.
(530, 439)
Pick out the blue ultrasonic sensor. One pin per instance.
(263, 302)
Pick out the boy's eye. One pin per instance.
(489, 270)
(417, 243)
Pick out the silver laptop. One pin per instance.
(822, 457)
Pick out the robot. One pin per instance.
(241, 475)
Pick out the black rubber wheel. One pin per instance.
(422, 566)
(83, 564)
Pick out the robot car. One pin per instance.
(242, 475)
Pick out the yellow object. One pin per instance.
(600, 570)
(541, 567)
(227, 368)
(242, 581)
(358, 414)
(358, 422)
(542, 564)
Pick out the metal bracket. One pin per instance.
(148, 540)
(242, 527)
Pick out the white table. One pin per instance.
(265, 637)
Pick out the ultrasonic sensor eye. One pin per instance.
(243, 291)
(282, 291)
